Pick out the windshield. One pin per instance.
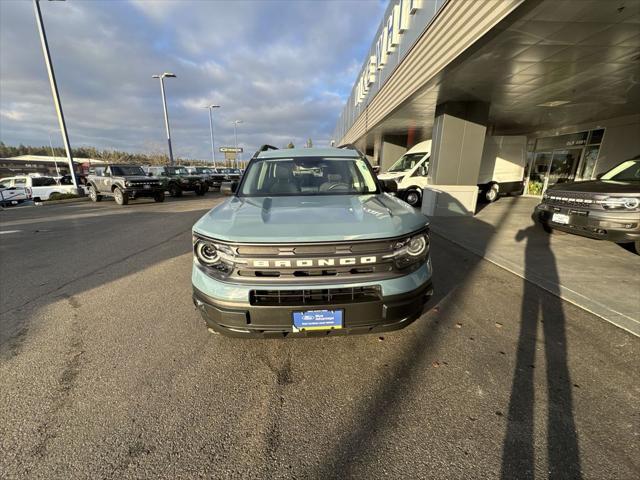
(406, 162)
(127, 170)
(628, 171)
(308, 176)
(176, 171)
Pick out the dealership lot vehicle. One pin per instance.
(501, 169)
(12, 193)
(604, 209)
(124, 183)
(41, 187)
(208, 174)
(178, 180)
(310, 244)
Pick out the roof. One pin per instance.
(309, 152)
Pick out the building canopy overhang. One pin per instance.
(545, 64)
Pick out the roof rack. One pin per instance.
(264, 148)
(351, 146)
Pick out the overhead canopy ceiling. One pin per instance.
(550, 63)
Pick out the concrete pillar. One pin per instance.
(458, 139)
(392, 147)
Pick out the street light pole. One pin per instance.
(166, 114)
(54, 91)
(213, 149)
(235, 134)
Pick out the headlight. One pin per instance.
(417, 245)
(618, 203)
(410, 250)
(206, 252)
(127, 184)
(218, 257)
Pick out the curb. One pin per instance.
(602, 311)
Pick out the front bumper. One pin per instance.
(614, 226)
(402, 300)
(143, 192)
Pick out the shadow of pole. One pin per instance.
(518, 459)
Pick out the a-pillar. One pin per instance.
(458, 139)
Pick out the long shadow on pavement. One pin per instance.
(562, 440)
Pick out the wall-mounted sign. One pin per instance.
(231, 149)
(390, 36)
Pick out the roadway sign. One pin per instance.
(231, 149)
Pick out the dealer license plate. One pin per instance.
(318, 320)
(561, 218)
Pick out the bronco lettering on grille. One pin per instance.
(313, 262)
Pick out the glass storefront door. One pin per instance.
(564, 164)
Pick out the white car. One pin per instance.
(41, 187)
(10, 194)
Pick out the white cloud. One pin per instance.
(284, 68)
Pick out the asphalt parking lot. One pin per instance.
(107, 371)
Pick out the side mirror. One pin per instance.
(389, 186)
(376, 169)
(228, 188)
(149, 174)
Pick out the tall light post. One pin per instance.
(54, 91)
(164, 106)
(235, 134)
(213, 148)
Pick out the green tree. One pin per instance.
(291, 145)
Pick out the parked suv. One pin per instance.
(123, 183)
(605, 209)
(310, 244)
(178, 180)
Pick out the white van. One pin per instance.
(501, 169)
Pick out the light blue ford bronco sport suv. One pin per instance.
(310, 244)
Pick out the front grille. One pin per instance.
(323, 296)
(571, 199)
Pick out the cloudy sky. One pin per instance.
(283, 67)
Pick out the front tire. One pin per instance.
(413, 197)
(158, 197)
(93, 194)
(175, 190)
(492, 194)
(201, 190)
(121, 198)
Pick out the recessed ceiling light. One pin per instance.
(554, 103)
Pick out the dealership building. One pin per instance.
(565, 74)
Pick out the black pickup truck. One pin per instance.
(124, 183)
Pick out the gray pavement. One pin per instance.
(601, 277)
(108, 372)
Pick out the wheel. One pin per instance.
(121, 198)
(492, 194)
(636, 247)
(37, 199)
(201, 190)
(158, 197)
(93, 194)
(413, 197)
(175, 190)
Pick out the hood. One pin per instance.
(397, 176)
(597, 186)
(310, 219)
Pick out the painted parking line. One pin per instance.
(3, 232)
